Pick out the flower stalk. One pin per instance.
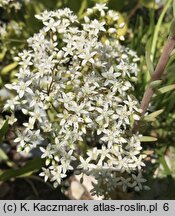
(164, 58)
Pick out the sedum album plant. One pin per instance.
(76, 86)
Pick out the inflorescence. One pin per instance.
(76, 86)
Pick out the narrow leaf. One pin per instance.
(149, 4)
(152, 116)
(149, 63)
(30, 167)
(162, 160)
(172, 29)
(155, 83)
(3, 130)
(147, 139)
(172, 58)
(9, 68)
(2, 55)
(165, 165)
(166, 89)
(82, 7)
(3, 155)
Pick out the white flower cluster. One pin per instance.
(9, 4)
(12, 4)
(8, 28)
(3, 29)
(12, 26)
(75, 84)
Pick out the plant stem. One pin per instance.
(168, 48)
(133, 11)
(83, 6)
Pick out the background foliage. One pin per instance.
(146, 31)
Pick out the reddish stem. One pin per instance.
(168, 48)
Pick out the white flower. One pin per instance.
(57, 176)
(45, 174)
(101, 8)
(65, 164)
(68, 50)
(93, 154)
(51, 25)
(84, 163)
(123, 164)
(138, 162)
(110, 76)
(44, 16)
(105, 113)
(132, 105)
(30, 125)
(125, 183)
(47, 126)
(11, 103)
(23, 87)
(11, 119)
(22, 138)
(47, 153)
(38, 114)
(97, 26)
(123, 115)
(112, 137)
(114, 15)
(138, 180)
(87, 57)
(35, 138)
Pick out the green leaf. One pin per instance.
(30, 167)
(149, 63)
(161, 157)
(166, 89)
(150, 67)
(172, 28)
(3, 155)
(152, 116)
(155, 83)
(9, 68)
(149, 4)
(172, 53)
(2, 54)
(172, 58)
(83, 6)
(147, 139)
(3, 130)
(165, 165)
(159, 27)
